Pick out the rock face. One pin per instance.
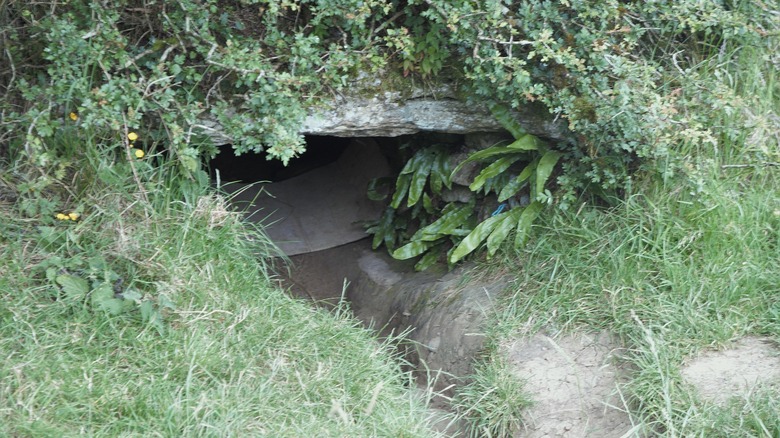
(391, 115)
(372, 108)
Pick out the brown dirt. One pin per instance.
(720, 375)
(574, 383)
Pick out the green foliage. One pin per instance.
(457, 229)
(622, 75)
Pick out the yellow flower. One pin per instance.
(62, 217)
(73, 116)
(132, 136)
(139, 153)
(74, 216)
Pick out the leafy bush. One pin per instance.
(622, 74)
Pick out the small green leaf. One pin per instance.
(384, 230)
(476, 237)
(75, 288)
(545, 169)
(428, 204)
(374, 185)
(525, 222)
(103, 298)
(492, 170)
(516, 184)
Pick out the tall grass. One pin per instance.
(682, 265)
(202, 344)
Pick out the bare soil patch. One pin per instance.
(574, 382)
(720, 375)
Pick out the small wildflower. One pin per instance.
(62, 217)
(139, 153)
(73, 116)
(74, 216)
(132, 136)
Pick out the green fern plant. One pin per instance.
(454, 230)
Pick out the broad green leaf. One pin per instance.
(476, 237)
(483, 154)
(428, 204)
(527, 142)
(430, 258)
(113, 306)
(545, 169)
(516, 184)
(525, 222)
(444, 225)
(383, 231)
(132, 295)
(103, 298)
(502, 230)
(412, 249)
(419, 178)
(440, 173)
(401, 187)
(101, 293)
(411, 165)
(492, 170)
(75, 288)
(504, 117)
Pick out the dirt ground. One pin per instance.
(574, 382)
(573, 379)
(736, 371)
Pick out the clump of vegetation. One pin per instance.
(623, 75)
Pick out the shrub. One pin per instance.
(622, 74)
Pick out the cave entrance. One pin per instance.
(319, 200)
(314, 210)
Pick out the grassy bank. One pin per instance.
(150, 315)
(680, 266)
